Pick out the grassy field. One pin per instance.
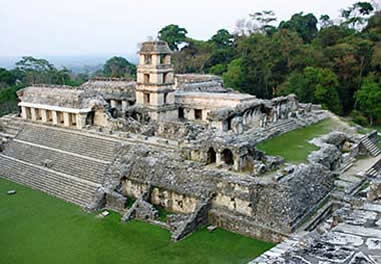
(37, 228)
(294, 146)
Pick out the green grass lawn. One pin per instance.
(37, 228)
(294, 146)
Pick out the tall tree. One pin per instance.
(368, 98)
(315, 85)
(356, 15)
(7, 78)
(173, 35)
(119, 67)
(304, 25)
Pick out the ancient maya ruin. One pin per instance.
(188, 144)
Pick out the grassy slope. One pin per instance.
(294, 146)
(37, 228)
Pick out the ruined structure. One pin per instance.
(180, 142)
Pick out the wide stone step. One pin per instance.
(61, 162)
(67, 188)
(89, 146)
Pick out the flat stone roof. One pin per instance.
(218, 96)
(155, 47)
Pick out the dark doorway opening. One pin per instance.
(90, 118)
(212, 156)
(228, 157)
(198, 114)
(181, 113)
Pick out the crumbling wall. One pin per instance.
(198, 218)
(177, 185)
(173, 201)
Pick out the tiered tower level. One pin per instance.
(155, 81)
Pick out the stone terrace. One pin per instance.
(351, 235)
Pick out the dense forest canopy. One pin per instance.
(332, 62)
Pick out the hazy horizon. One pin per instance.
(44, 28)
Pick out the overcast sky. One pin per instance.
(112, 27)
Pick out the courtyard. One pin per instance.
(294, 146)
(38, 228)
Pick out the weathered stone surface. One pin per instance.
(342, 239)
(375, 190)
(328, 155)
(374, 243)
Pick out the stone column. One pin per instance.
(124, 106)
(66, 119)
(219, 160)
(81, 120)
(55, 117)
(23, 112)
(44, 115)
(33, 112)
(236, 165)
(204, 115)
(113, 104)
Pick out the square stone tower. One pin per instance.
(155, 81)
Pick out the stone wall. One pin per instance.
(244, 226)
(195, 220)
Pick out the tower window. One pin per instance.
(147, 59)
(147, 98)
(146, 78)
(165, 77)
(162, 59)
(165, 98)
(167, 59)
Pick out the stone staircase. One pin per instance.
(276, 129)
(372, 172)
(63, 186)
(64, 163)
(95, 147)
(347, 163)
(74, 165)
(370, 146)
(10, 127)
(375, 170)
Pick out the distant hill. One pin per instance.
(77, 64)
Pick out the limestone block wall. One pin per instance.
(173, 201)
(134, 189)
(245, 226)
(233, 204)
(170, 200)
(101, 118)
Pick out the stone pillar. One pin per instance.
(244, 119)
(33, 112)
(113, 104)
(44, 115)
(204, 115)
(23, 112)
(124, 106)
(55, 117)
(219, 160)
(66, 119)
(81, 120)
(236, 165)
